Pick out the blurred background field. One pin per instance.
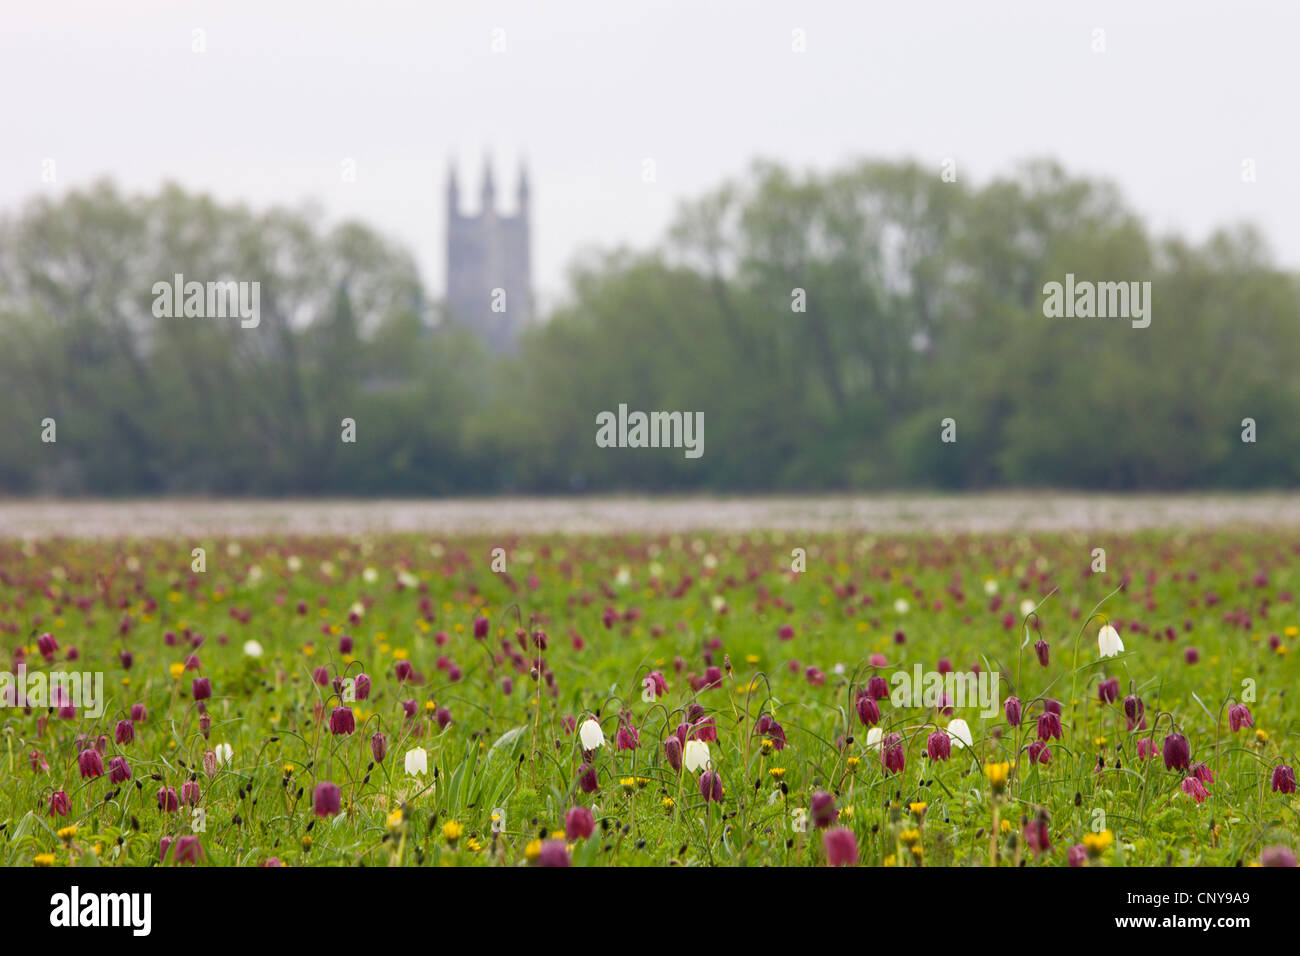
(1005, 512)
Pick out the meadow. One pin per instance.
(706, 698)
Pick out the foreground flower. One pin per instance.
(417, 761)
(1097, 843)
(553, 853)
(1076, 855)
(591, 735)
(327, 799)
(1108, 642)
(822, 809)
(579, 823)
(841, 847)
(1012, 709)
(959, 731)
(1036, 835)
(188, 850)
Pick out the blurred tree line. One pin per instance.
(922, 300)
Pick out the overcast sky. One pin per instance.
(588, 89)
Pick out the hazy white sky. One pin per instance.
(588, 89)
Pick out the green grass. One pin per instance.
(512, 757)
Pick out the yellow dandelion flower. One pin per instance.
(67, 833)
(395, 819)
(1005, 827)
(473, 845)
(451, 831)
(533, 850)
(43, 859)
(997, 774)
(669, 803)
(1261, 735)
(751, 658)
(918, 809)
(1097, 843)
(853, 762)
(177, 670)
(1291, 631)
(776, 773)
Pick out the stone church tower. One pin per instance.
(489, 270)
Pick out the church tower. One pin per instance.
(489, 266)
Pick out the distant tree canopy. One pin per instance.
(825, 325)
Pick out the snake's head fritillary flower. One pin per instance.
(938, 746)
(327, 800)
(202, 688)
(90, 763)
(224, 753)
(1049, 726)
(1036, 835)
(587, 778)
(892, 755)
(1283, 779)
(1134, 710)
(1013, 711)
(361, 687)
(167, 800)
(1191, 655)
(579, 823)
(868, 709)
(417, 761)
(124, 732)
(190, 793)
(591, 735)
(1043, 652)
(553, 853)
(627, 737)
(403, 671)
(1239, 716)
(711, 786)
(1177, 752)
(138, 713)
(673, 752)
(1108, 641)
(959, 731)
(1108, 690)
(379, 747)
(877, 686)
(342, 721)
(841, 847)
(210, 762)
(1039, 753)
(822, 810)
(654, 686)
(188, 850)
(60, 805)
(696, 757)
(1195, 789)
(1277, 856)
(1077, 855)
(480, 628)
(47, 645)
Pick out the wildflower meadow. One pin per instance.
(702, 699)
